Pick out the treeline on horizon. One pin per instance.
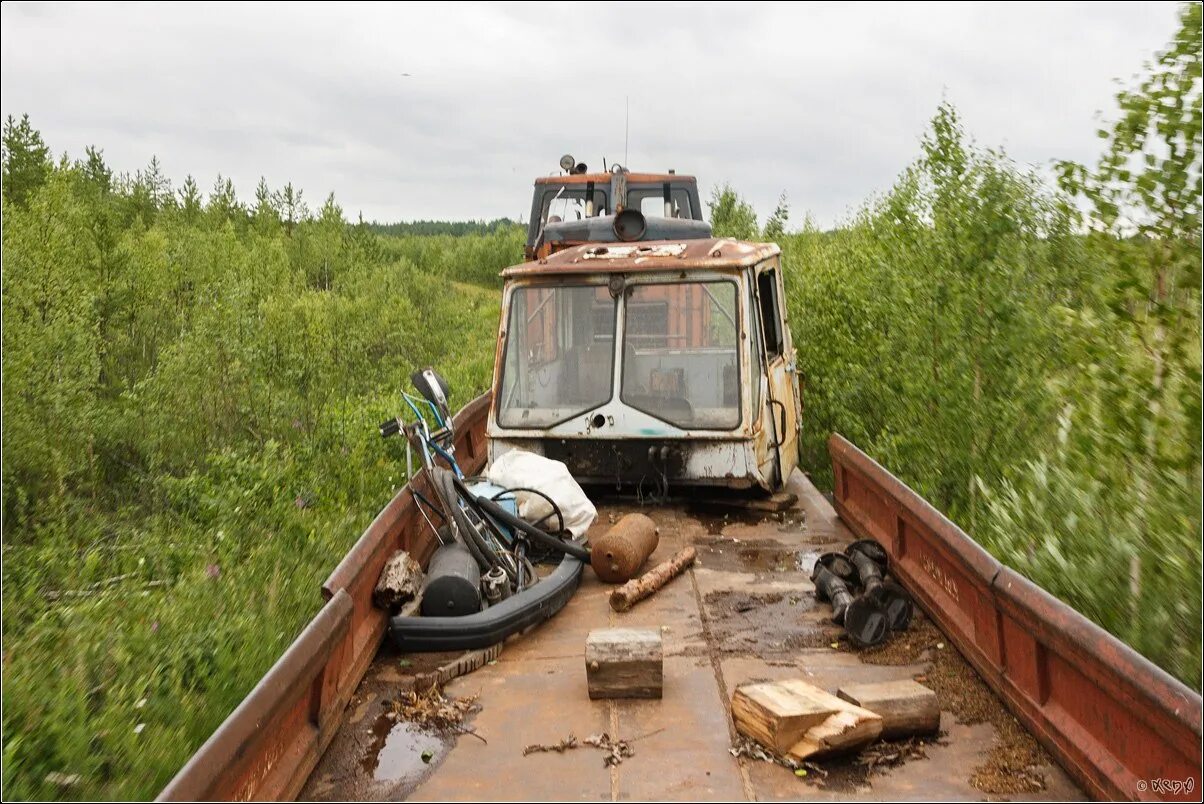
(453, 228)
(192, 384)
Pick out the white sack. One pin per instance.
(520, 468)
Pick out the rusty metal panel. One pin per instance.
(1113, 718)
(716, 254)
(1114, 721)
(268, 745)
(604, 178)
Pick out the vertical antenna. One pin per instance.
(626, 127)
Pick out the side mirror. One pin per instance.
(434, 389)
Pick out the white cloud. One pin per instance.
(825, 101)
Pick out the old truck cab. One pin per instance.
(650, 363)
(580, 207)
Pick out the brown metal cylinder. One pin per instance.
(622, 550)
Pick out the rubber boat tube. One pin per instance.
(516, 613)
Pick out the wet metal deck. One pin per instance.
(745, 612)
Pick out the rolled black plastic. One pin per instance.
(489, 627)
(453, 583)
(488, 506)
(833, 589)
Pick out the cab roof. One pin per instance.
(604, 178)
(647, 256)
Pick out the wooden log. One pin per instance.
(906, 707)
(639, 588)
(822, 723)
(400, 582)
(624, 663)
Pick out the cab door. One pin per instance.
(782, 404)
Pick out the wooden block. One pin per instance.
(624, 663)
(777, 716)
(800, 721)
(907, 707)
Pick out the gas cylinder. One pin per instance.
(618, 555)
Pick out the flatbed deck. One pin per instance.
(746, 611)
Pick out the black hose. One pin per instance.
(537, 555)
(490, 508)
(541, 552)
(443, 480)
(551, 502)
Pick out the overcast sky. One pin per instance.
(429, 111)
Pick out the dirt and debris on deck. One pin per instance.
(744, 612)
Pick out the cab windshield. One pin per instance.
(559, 358)
(680, 353)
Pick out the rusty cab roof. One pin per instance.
(647, 256)
(604, 178)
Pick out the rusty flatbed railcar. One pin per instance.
(1115, 726)
(649, 356)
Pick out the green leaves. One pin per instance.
(191, 397)
(731, 215)
(1039, 385)
(26, 160)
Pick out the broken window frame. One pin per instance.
(767, 279)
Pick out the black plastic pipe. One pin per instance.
(888, 595)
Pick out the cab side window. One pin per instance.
(771, 319)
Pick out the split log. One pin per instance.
(624, 663)
(639, 588)
(801, 721)
(776, 716)
(844, 731)
(400, 582)
(907, 707)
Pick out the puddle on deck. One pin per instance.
(401, 752)
(766, 623)
(758, 556)
(717, 519)
(375, 756)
